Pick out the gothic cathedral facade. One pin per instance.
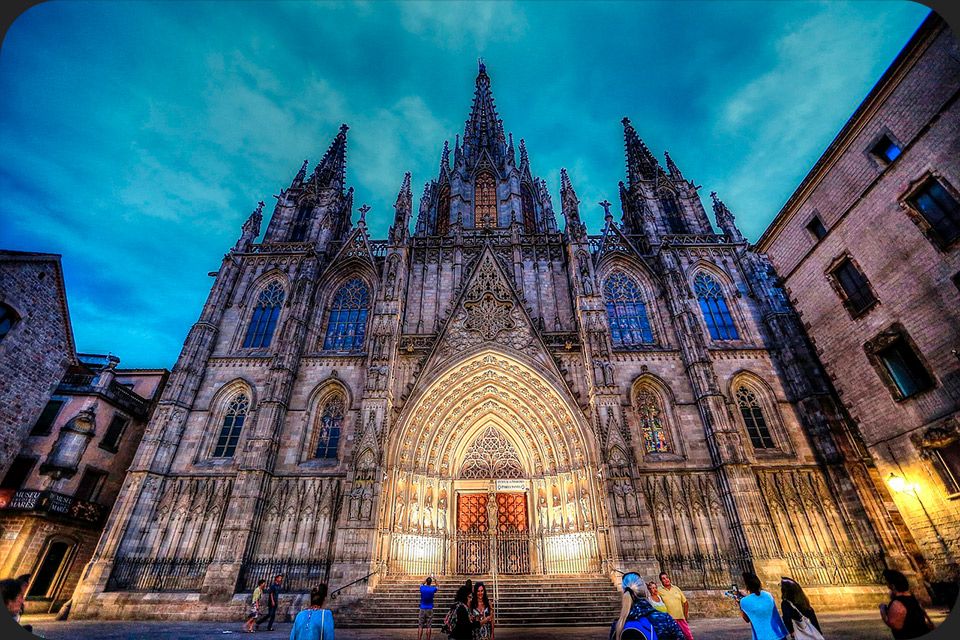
(485, 393)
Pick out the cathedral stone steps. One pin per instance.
(523, 601)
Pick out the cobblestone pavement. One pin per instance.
(861, 625)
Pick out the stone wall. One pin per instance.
(37, 351)
(860, 199)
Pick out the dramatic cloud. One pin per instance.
(137, 137)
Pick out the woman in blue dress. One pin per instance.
(314, 622)
(638, 619)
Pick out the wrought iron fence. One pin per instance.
(473, 553)
(149, 574)
(704, 570)
(836, 567)
(419, 554)
(299, 574)
(513, 552)
(570, 553)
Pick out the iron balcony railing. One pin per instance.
(55, 504)
(76, 383)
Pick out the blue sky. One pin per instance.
(137, 137)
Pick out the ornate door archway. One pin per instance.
(492, 436)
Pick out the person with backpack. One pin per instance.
(638, 618)
(457, 624)
(255, 606)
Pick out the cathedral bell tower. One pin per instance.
(316, 209)
(485, 188)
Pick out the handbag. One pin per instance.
(803, 629)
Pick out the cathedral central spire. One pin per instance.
(484, 130)
(330, 172)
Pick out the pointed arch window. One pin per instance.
(485, 201)
(652, 430)
(714, 308)
(671, 211)
(347, 324)
(231, 427)
(527, 209)
(627, 312)
(329, 426)
(443, 211)
(753, 418)
(265, 314)
(301, 222)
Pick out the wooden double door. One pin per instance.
(492, 534)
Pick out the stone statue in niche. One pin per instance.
(414, 509)
(571, 507)
(391, 281)
(399, 511)
(442, 510)
(542, 509)
(428, 510)
(585, 508)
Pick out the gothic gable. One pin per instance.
(487, 311)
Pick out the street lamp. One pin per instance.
(897, 483)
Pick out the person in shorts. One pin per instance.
(254, 611)
(427, 591)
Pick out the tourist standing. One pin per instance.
(638, 615)
(254, 612)
(760, 610)
(425, 617)
(677, 605)
(903, 614)
(482, 613)
(314, 622)
(798, 616)
(462, 624)
(273, 600)
(655, 598)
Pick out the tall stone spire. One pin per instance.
(570, 206)
(301, 175)
(672, 167)
(725, 219)
(641, 164)
(403, 210)
(484, 130)
(330, 173)
(250, 229)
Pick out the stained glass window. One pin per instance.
(527, 208)
(629, 324)
(753, 418)
(232, 425)
(651, 423)
(329, 424)
(301, 222)
(443, 211)
(265, 314)
(485, 206)
(714, 308)
(347, 324)
(671, 211)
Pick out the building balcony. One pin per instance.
(52, 504)
(115, 393)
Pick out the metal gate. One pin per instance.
(507, 542)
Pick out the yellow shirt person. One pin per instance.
(674, 599)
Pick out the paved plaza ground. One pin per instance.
(860, 625)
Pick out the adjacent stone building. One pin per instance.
(490, 395)
(67, 474)
(36, 342)
(869, 250)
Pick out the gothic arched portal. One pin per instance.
(492, 451)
